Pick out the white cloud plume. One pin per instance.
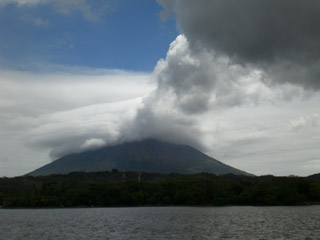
(225, 109)
(61, 113)
(93, 143)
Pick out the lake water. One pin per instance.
(161, 223)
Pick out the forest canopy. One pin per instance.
(106, 189)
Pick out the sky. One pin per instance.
(238, 80)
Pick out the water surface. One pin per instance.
(162, 223)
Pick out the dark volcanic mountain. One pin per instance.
(148, 155)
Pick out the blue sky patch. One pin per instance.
(123, 35)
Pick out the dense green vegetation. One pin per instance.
(108, 189)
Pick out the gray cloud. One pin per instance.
(282, 37)
(190, 85)
(197, 82)
(214, 90)
(229, 58)
(163, 124)
(244, 123)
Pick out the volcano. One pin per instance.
(148, 156)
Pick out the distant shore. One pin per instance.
(111, 189)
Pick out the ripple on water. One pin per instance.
(162, 223)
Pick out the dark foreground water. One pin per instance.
(162, 223)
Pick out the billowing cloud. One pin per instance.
(202, 81)
(194, 85)
(236, 84)
(244, 123)
(280, 37)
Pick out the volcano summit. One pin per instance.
(148, 155)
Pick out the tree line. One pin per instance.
(104, 189)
